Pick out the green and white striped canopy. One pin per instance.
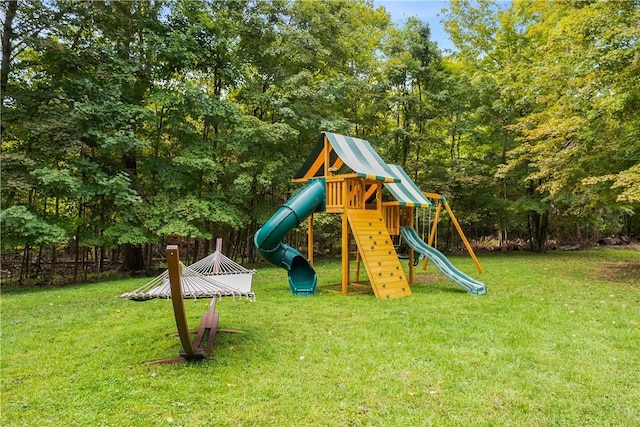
(353, 155)
(357, 154)
(406, 192)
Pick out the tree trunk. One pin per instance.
(24, 268)
(207, 245)
(148, 251)
(54, 258)
(133, 259)
(101, 259)
(85, 262)
(39, 261)
(77, 257)
(540, 223)
(196, 249)
(7, 36)
(502, 237)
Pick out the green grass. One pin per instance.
(556, 341)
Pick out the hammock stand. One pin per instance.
(210, 277)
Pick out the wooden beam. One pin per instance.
(463, 237)
(310, 240)
(372, 189)
(337, 164)
(357, 193)
(443, 200)
(434, 228)
(411, 253)
(345, 253)
(432, 196)
(173, 261)
(327, 156)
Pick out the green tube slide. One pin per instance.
(268, 239)
(442, 262)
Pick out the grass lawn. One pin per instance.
(556, 341)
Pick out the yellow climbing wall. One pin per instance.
(376, 249)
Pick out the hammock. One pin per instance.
(214, 276)
(225, 271)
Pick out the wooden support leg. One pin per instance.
(173, 260)
(208, 328)
(345, 254)
(205, 335)
(463, 237)
(434, 229)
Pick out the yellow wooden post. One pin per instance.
(463, 237)
(310, 240)
(345, 238)
(327, 157)
(345, 253)
(411, 254)
(442, 200)
(434, 228)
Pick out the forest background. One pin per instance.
(126, 122)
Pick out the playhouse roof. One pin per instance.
(346, 154)
(406, 192)
(353, 155)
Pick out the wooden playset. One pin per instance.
(376, 200)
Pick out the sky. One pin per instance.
(426, 10)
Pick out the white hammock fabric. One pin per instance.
(217, 263)
(214, 276)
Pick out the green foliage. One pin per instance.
(57, 181)
(15, 182)
(124, 122)
(558, 91)
(20, 227)
(123, 234)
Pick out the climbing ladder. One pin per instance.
(375, 247)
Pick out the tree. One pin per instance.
(581, 131)
(496, 52)
(75, 111)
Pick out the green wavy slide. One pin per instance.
(442, 262)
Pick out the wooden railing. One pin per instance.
(396, 216)
(353, 192)
(335, 194)
(392, 218)
(346, 191)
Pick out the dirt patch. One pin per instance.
(627, 271)
(424, 278)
